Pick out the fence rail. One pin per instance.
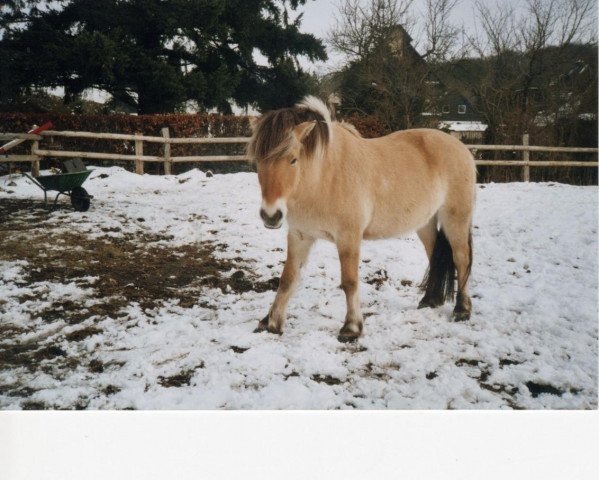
(36, 153)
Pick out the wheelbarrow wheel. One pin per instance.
(80, 199)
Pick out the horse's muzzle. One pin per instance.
(274, 221)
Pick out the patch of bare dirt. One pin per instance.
(180, 379)
(328, 379)
(378, 278)
(127, 269)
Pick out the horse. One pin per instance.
(330, 183)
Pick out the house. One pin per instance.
(457, 116)
(444, 109)
(453, 112)
(468, 131)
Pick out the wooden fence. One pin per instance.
(36, 153)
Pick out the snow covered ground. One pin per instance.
(67, 340)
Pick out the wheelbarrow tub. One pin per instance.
(63, 182)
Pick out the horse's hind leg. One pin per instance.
(457, 228)
(428, 235)
(439, 281)
(437, 249)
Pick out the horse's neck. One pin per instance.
(320, 175)
(318, 172)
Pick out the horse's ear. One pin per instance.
(303, 130)
(254, 122)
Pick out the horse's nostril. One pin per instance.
(271, 220)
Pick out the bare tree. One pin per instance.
(578, 20)
(440, 35)
(520, 50)
(359, 29)
(498, 30)
(385, 75)
(395, 52)
(559, 22)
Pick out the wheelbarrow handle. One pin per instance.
(34, 181)
(39, 185)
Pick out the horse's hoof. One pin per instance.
(461, 316)
(275, 331)
(347, 338)
(428, 303)
(260, 329)
(262, 325)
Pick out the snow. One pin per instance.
(531, 342)
(463, 126)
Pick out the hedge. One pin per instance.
(203, 125)
(180, 125)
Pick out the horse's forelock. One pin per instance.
(317, 106)
(272, 134)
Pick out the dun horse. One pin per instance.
(330, 183)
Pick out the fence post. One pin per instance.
(167, 151)
(139, 151)
(35, 164)
(526, 157)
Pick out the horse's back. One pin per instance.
(434, 147)
(415, 173)
(427, 156)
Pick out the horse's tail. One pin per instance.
(439, 281)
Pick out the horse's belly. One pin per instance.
(390, 229)
(397, 220)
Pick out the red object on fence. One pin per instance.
(16, 141)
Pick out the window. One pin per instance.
(445, 108)
(462, 109)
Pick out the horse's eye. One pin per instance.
(294, 161)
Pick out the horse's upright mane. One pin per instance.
(270, 138)
(350, 128)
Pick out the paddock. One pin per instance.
(149, 301)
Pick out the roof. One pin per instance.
(463, 126)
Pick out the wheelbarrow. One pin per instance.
(68, 184)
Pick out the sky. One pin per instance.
(319, 18)
(319, 14)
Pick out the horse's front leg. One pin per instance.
(298, 248)
(349, 256)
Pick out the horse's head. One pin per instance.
(282, 143)
(279, 176)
